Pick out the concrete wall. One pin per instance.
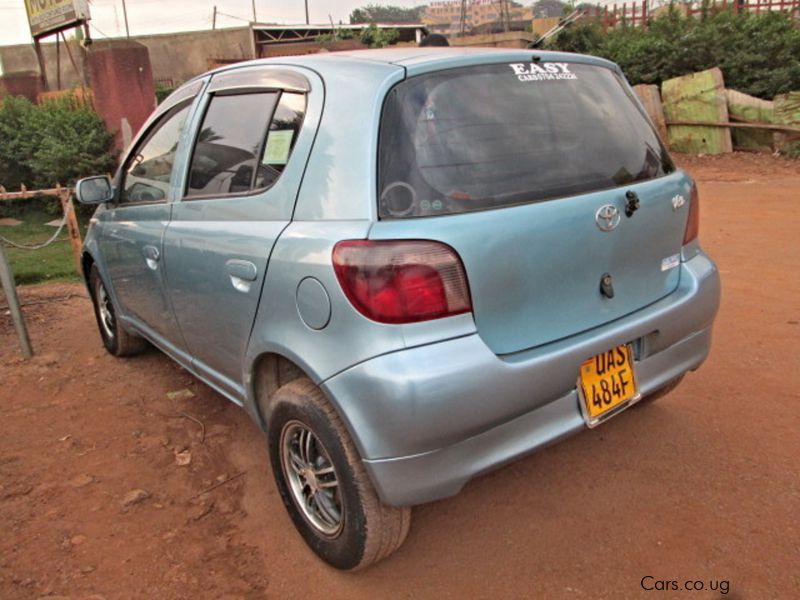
(181, 56)
(300, 48)
(24, 83)
(174, 56)
(15, 59)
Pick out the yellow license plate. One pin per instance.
(606, 381)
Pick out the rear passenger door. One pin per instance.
(253, 134)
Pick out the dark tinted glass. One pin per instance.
(229, 144)
(149, 168)
(496, 135)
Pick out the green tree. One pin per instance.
(59, 141)
(338, 34)
(14, 111)
(584, 37)
(374, 37)
(374, 13)
(758, 54)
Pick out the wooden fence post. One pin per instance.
(65, 196)
(7, 281)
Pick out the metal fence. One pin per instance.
(638, 14)
(70, 221)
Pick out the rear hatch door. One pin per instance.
(528, 178)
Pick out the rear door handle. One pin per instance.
(242, 274)
(151, 256)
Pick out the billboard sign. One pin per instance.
(50, 16)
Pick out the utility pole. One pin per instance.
(255, 18)
(307, 12)
(214, 18)
(125, 14)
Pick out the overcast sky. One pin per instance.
(161, 16)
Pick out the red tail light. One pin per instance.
(402, 281)
(693, 222)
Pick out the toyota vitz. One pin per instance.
(410, 266)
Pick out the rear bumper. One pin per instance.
(441, 473)
(428, 419)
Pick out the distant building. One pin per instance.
(444, 16)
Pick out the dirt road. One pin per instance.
(701, 486)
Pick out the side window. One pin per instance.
(283, 131)
(244, 142)
(148, 169)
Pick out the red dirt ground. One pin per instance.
(701, 485)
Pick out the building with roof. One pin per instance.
(444, 16)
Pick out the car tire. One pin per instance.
(662, 391)
(116, 339)
(316, 464)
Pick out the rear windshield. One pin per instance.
(496, 135)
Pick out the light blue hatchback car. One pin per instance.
(410, 266)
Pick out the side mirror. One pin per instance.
(94, 190)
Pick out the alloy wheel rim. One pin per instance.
(106, 310)
(312, 479)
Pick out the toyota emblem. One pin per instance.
(607, 217)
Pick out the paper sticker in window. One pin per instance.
(279, 145)
(551, 71)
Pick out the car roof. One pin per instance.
(409, 55)
(416, 58)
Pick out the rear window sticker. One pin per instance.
(551, 71)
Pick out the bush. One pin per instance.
(758, 54)
(584, 37)
(14, 112)
(162, 92)
(371, 36)
(374, 37)
(59, 141)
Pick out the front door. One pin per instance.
(132, 229)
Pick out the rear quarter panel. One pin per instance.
(336, 201)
